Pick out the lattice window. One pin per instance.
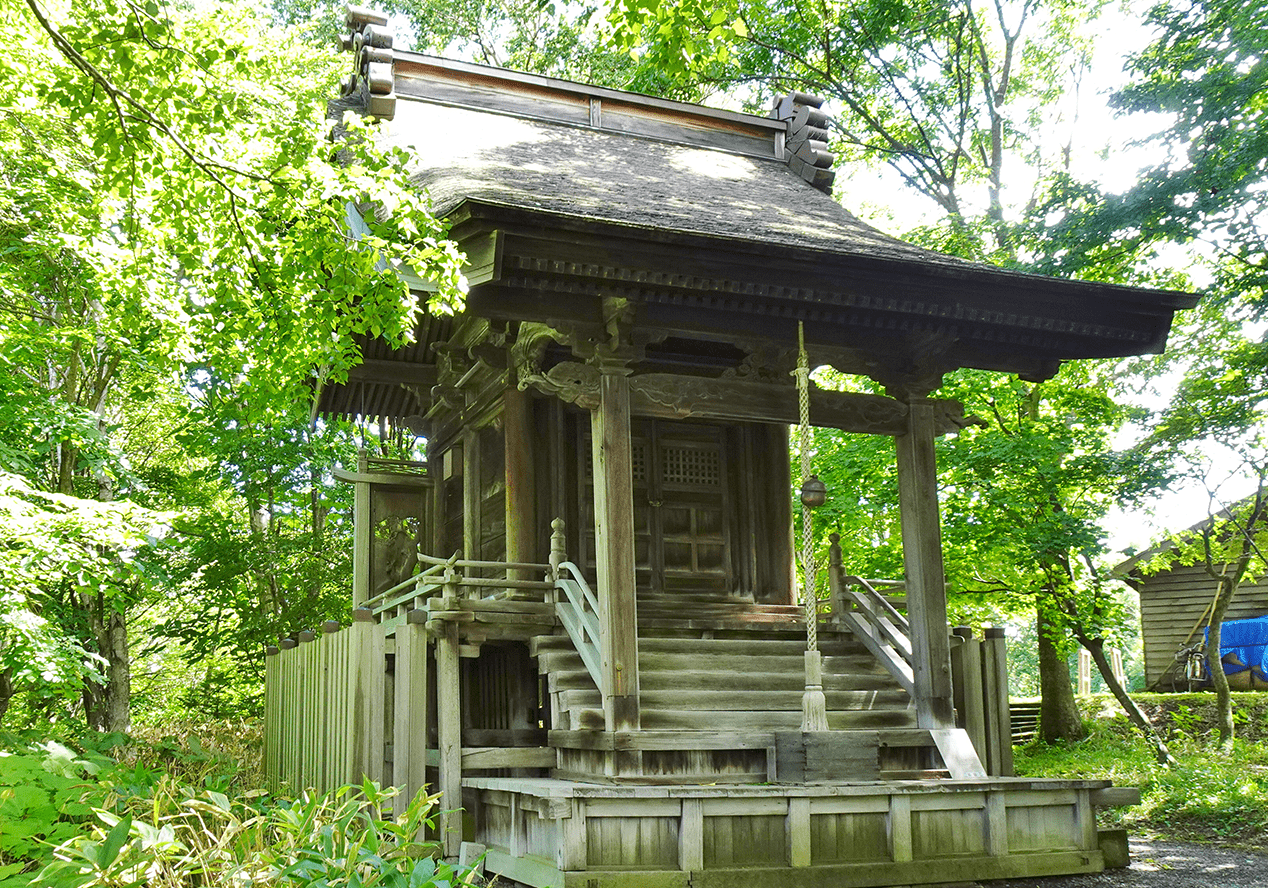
(638, 460)
(691, 465)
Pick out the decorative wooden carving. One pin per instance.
(371, 86)
(569, 381)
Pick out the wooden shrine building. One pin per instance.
(578, 618)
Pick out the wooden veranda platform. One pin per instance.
(562, 833)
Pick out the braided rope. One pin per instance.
(809, 599)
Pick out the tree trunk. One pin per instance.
(7, 691)
(107, 707)
(1059, 717)
(1096, 647)
(1223, 698)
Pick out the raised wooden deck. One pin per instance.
(560, 833)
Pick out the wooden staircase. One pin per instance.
(712, 666)
(736, 669)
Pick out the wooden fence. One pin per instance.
(320, 696)
(979, 679)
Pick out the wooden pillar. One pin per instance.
(409, 724)
(521, 478)
(966, 665)
(362, 536)
(449, 737)
(998, 715)
(922, 558)
(614, 551)
(471, 496)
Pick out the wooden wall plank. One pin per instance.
(409, 725)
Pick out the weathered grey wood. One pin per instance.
(529, 870)
(958, 753)
(449, 737)
(361, 539)
(572, 845)
(826, 756)
(799, 832)
(409, 724)
(366, 662)
(967, 684)
(996, 824)
(900, 846)
(614, 549)
(995, 694)
(922, 558)
(496, 757)
(471, 495)
(1115, 796)
(521, 480)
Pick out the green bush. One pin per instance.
(123, 812)
(47, 796)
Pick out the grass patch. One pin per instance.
(1209, 796)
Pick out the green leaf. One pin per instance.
(114, 843)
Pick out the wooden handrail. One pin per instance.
(449, 571)
(578, 611)
(415, 580)
(876, 599)
(456, 562)
(875, 622)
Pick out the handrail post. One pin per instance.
(558, 555)
(834, 576)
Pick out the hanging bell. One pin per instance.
(814, 493)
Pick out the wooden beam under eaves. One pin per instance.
(394, 372)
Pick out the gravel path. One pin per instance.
(1164, 864)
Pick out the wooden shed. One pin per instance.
(579, 617)
(1175, 610)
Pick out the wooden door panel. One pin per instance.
(681, 526)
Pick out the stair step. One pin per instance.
(739, 663)
(742, 699)
(726, 720)
(561, 680)
(549, 643)
(792, 680)
(792, 647)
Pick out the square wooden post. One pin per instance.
(614, 551)
(521, 479)
(362, 536)
(922, 558)
(449, 737)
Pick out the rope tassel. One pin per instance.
(814, 706)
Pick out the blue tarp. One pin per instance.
(1247, 640)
